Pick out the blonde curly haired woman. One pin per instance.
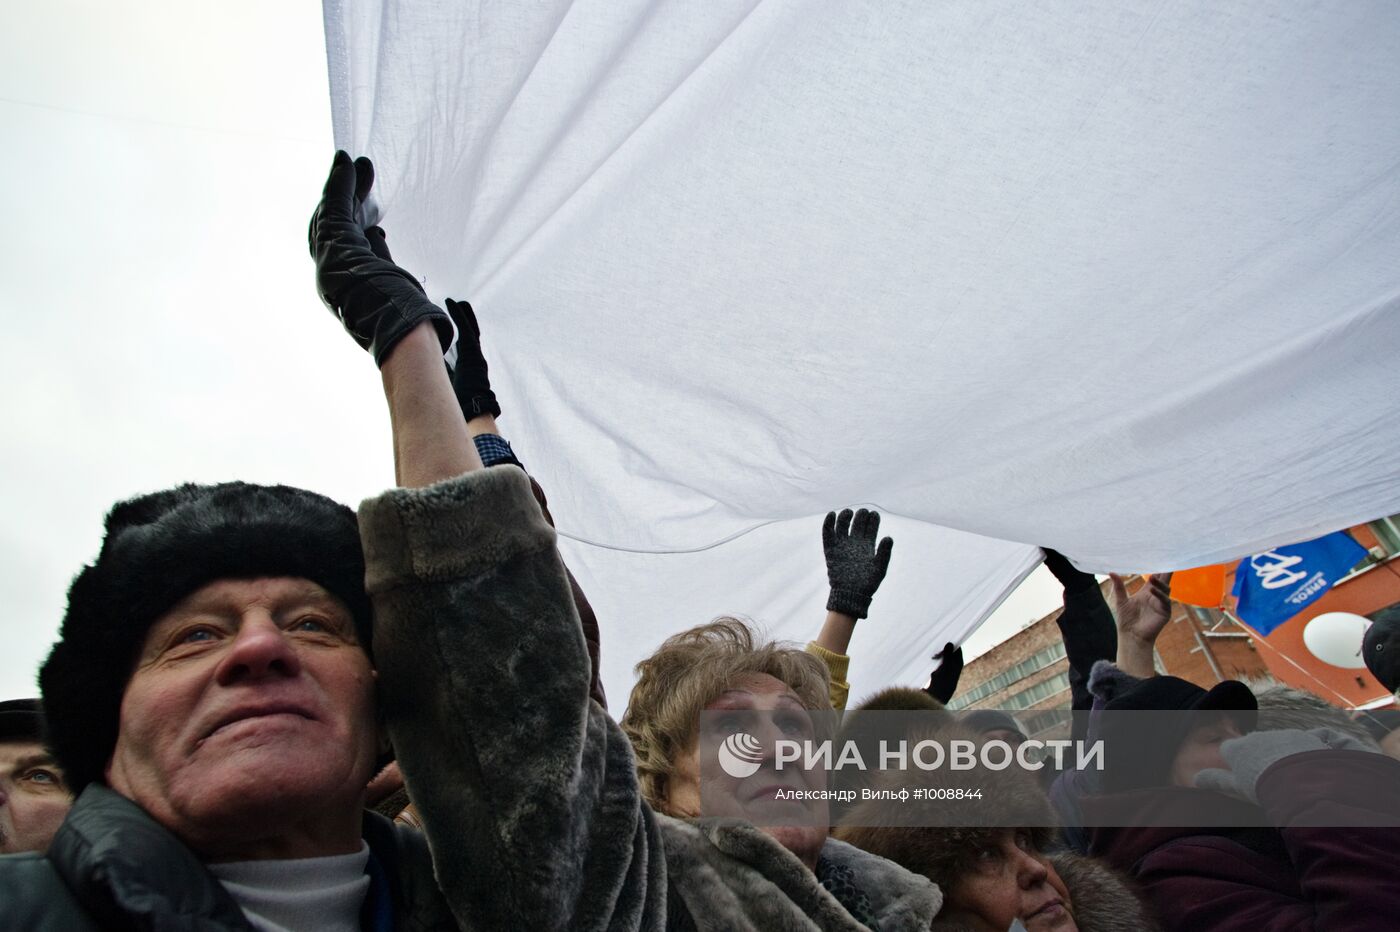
(792, 876)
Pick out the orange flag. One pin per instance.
(1203, 586)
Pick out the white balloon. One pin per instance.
(1335, 638)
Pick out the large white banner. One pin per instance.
(1122, 279)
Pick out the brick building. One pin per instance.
(1028, 673)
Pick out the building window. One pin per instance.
(1387, 531)
(1032, 664)
(1038, 722)
(1037, 693)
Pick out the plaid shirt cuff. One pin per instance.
(494, 450)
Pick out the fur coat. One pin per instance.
(527, 790)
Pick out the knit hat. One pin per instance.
(1380, 648)
(158, 549)
(21, 720)
(1140, 749)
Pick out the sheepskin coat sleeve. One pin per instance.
(527, 790)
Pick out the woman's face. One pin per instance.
(1201, 750)
(1011, 880)
(764, 706)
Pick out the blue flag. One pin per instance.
(1272, 587)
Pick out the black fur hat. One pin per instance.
(158, 549)
(21, 720)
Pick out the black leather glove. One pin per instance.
(378, 302)
(855, 566)
(943, 682)
(469, 379)
(1071, 579)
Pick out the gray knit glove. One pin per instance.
(854, 564)
(1256, 752)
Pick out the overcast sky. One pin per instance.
(160, 162)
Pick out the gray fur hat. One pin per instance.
(158, 549)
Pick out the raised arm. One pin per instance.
(1141, 618)
(527, 791)
(855, 567)
(943, 681)
(471, 382)
(1087, 629)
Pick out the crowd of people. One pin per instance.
(268, 711)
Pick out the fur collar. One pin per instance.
(1101, 899)
(729, 875)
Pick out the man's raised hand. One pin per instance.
(378, 302)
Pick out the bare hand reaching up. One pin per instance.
(1141, 618)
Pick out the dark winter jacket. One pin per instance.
(1072, 786)
(1262, 878)
(112, 867)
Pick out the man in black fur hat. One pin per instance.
(212, 701)
(212, 696)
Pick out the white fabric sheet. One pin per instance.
(1117, 278)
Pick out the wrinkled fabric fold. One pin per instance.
(1116, 280)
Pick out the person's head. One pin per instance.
(33, 796)
(213, 667)
(1380, 648)
(718, 667)
(1010, 878)
(986, 854)
(900, 699)
(990, 877)
(1200, 748)
(1180, 740)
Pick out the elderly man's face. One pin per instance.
(33, 799)
(248, 726)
